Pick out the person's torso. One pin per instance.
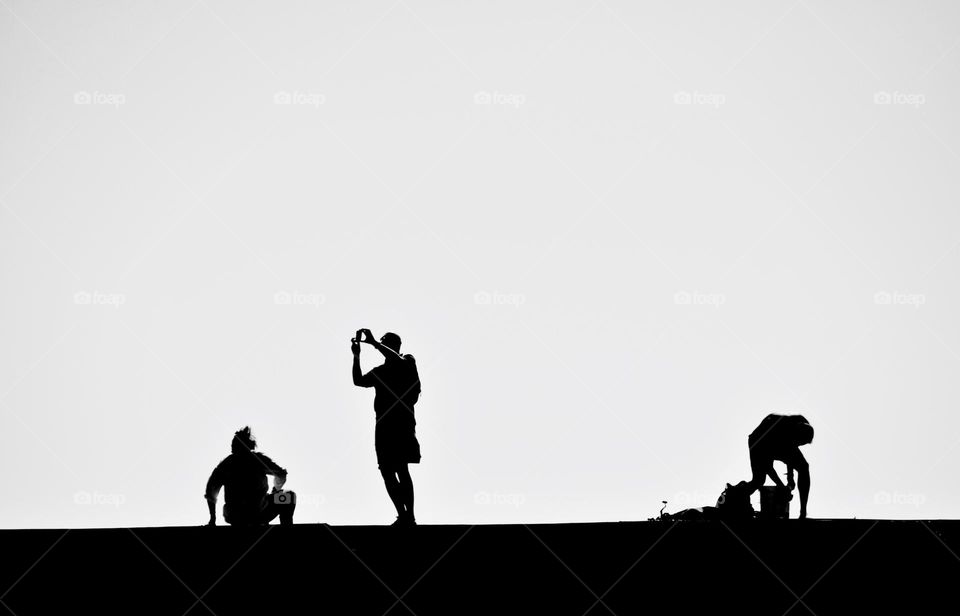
(244, 479)
(394, 383)
(776, 432)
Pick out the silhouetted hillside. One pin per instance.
(818, 566)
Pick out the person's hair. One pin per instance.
(805, 433)
(243, 441)
(391, 340)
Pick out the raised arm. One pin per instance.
(388, 353)
(359, 378)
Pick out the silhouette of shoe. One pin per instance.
(404, 521)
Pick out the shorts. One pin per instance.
(396, 447)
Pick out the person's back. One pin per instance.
(779, 437)
(778, 433)
(243, 477)
(397, 386)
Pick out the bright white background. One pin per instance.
(615, 235)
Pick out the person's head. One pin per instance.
(804, 434)
(243, 441)
(391, 341)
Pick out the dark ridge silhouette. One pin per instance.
(781, 567)
(397, 386)
(243, 476)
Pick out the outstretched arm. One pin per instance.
(387, 351)
(797, 462)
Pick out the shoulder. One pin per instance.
(223, 464)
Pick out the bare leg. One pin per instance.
(286, 510)
(803, 482)
(393, 489)
(406, 489)
(759, 468)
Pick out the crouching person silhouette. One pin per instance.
(397, 387)
(779, 437)
(243, 475)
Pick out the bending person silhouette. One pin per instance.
(779, 437)
(397, 386)
(243, 475)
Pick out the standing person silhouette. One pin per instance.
(243, 474)
(779, 437)
(397, 386)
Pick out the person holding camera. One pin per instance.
(243, 475)
(397, 386)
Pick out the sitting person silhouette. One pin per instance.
(779, 437)
(397, 387)
(243, 475)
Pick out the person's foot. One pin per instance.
(404, 520)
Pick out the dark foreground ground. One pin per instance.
(795, 567)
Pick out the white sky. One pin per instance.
(535, 153)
